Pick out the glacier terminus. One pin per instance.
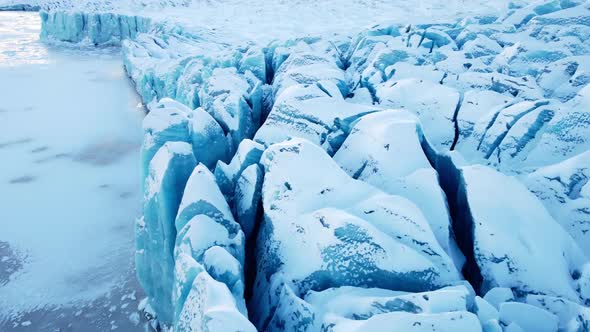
(313, 166)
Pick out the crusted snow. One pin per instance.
(346, 167)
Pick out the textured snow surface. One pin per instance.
(257, 19)
(357, 166)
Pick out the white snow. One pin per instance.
(384, 149)
(363, 303)
(294, 107)
(528, 317)
(460, 321)
(314, 223)
(515, 239)
(497, 295)
(211, 307)
(561, 189)
(197, 192)
(435, 109)
(485, 311)
(257, 20)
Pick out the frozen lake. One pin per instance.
(70, 131)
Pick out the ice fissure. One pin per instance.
(462, 221)
(455, 124)
(419, 176)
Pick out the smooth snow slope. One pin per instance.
(69, 184)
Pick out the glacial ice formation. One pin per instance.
(94, 28)
(168, 172)
(532, 242)
(323, 230)
(432, 177)
(372, 153)
(211, 296)
(563, 189)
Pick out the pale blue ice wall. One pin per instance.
(96, 28)
(20, 7)
(193, 258)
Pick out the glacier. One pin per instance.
(97, 29)
(431, 176)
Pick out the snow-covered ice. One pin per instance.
(330, 166)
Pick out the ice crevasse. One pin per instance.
(310, 184)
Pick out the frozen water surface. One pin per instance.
(70, 131)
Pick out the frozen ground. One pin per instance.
(69, 185)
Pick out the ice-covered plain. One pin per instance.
(70, 131)
(362, 165)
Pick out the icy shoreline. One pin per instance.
(69, 184)
(278, 185)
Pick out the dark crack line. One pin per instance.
(455, 122)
